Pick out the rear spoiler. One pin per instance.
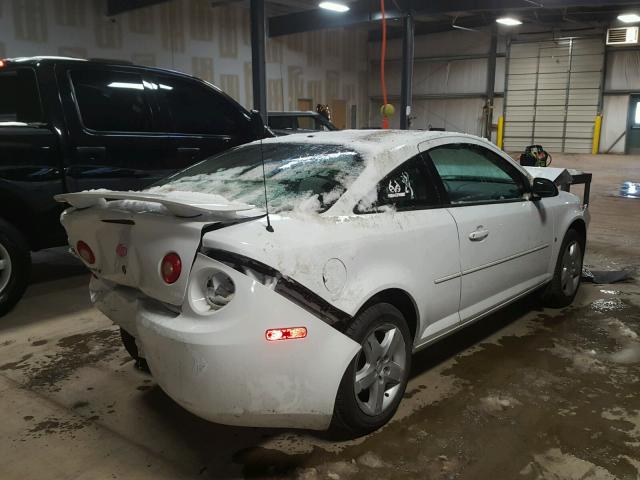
(180, 204)
(564, 178)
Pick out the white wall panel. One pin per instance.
(623, 70)
(614, 122)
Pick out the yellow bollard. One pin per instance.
(500, 139)
(597, 128)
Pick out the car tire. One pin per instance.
(385, 361)
(565, 284)
(15, 260)
(129, 342)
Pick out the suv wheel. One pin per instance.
(15, 265)
(374, 383)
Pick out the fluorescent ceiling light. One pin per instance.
(509, 21)
(629, 18)
(334, 6)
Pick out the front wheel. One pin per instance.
(15, 265)
(568, 272)
(375, 381)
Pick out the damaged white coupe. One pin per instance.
(376, 244)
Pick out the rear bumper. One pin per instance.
(220, 366)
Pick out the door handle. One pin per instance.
(479, 234)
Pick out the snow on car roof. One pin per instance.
(369, 143)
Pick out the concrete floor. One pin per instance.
(527, 393)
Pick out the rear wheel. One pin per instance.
(129, 342)
(375, 381)
(567, 275)
(15, 265)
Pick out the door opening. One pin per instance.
(633, 125)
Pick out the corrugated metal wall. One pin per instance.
(553, 94)
(447, 92)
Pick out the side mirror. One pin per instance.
(543, 188)
(257, 124)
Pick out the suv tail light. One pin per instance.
(171, 267)
(85, 252)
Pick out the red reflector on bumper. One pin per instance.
(274, 334)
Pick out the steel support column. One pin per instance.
(407, 72)
(491, 83)
(258, 62)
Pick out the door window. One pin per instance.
(408, 187)
(19, 97)
(112, 101)
(197, 109)
(473, 174)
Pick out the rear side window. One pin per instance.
(473, 174)
(112, 101)
(19, 97)
(197, 109)
(408, 187)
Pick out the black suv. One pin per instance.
(68, 125)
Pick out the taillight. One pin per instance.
(274, 334)
(85, 252)
(171, 267)
(2, 63)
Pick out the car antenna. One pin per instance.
(264, 183)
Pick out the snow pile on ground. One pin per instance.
(556, 465)
(498, 403)
(582, 360)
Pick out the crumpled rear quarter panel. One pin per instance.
(221, 367)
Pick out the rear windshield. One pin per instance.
(298, 176)
(19, 97)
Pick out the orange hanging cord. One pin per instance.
(383, 53)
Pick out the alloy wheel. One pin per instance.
(380, 369)
(5, 267)
(571, 268)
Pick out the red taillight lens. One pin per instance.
(85, 252)
(2, 63)
(274, 334)
(171, 267)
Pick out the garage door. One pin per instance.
(552, 94)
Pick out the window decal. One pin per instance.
(396, 190)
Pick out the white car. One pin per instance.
(378, 243)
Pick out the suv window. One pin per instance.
(112, 101)
(19, 98)
(282, 122)
(473, 174)
(308, 123)
(408, 187)
(197, 109)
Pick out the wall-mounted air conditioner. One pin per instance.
(623, 36)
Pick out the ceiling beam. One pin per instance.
(365, 11)
(318, 19)
(115, 7)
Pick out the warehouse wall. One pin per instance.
(467, 78)
(190, 36)
(623, 74)
(448, 79)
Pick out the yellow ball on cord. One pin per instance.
(387, 110)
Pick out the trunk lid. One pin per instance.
(130, 238)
